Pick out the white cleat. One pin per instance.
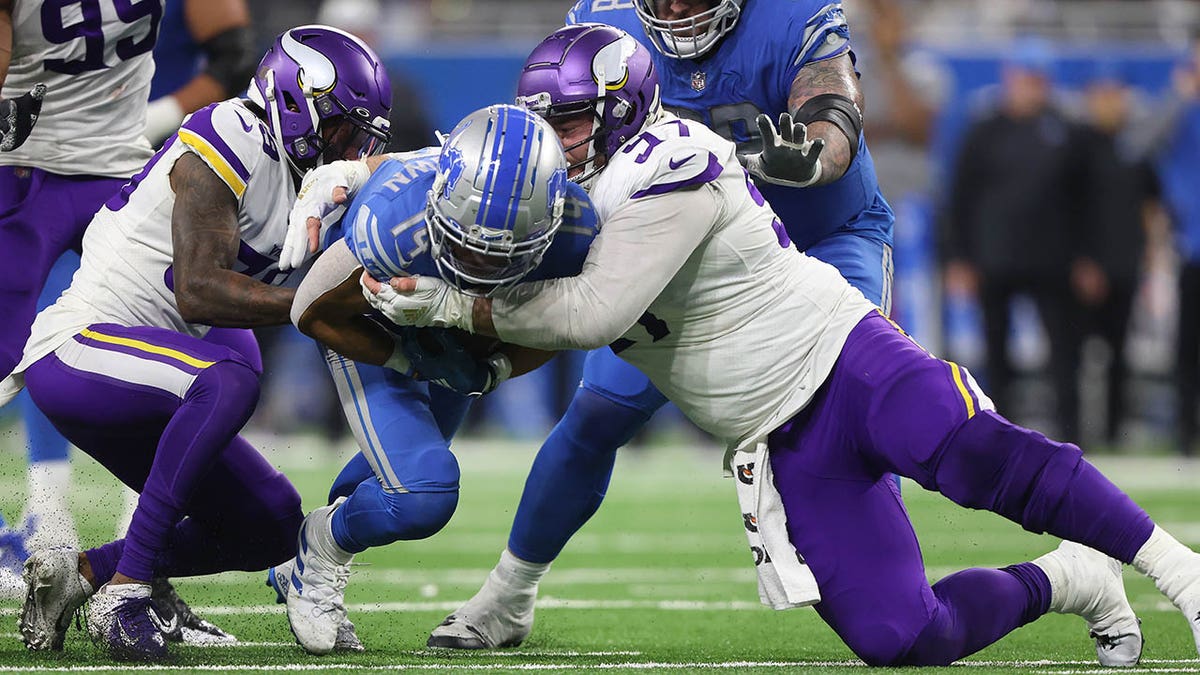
(54, 591)
(316, 589)
(279, 578)
(1088, 583)
(496, 617)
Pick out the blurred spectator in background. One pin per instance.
(1013, 220)
(1177, 142)
(205, 53)
(1121, 195)
(904, 86)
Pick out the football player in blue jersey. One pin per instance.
(735, 65)
(493, 206)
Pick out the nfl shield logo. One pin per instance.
(698, 80)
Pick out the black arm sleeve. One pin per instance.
(231, 58)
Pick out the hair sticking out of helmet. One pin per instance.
(325, 94)
(594, 69)
(687, 37)
(497, 198)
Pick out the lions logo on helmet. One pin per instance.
(451, 165)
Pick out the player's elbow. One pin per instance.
(193, 300)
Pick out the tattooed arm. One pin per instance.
(204, 232)
(830, 76)
(6, 37)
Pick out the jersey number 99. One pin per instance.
(91, 30)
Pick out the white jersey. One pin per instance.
(95, 59)
(125, 276)
(748, 328)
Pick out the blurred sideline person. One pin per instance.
(94, 73)
(818, 394)
(146, 363)
(1014, 216)
(1121, 191)
(736, 67)
(1176, 145)
(491, 207)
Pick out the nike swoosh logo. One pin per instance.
(245, 126)
(675, 165)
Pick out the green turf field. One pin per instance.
(660, 580)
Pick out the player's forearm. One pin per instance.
(356, 338)
(638, 252)
(830, 76)
(229, 299)
(6, 38)
(330, 308)
(199, 92)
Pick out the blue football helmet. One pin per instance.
(497, 198)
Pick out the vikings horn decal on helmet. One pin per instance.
(325, 94)
(594, 68)
(497, 198)
(692, 37)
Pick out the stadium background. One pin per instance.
(660, 580)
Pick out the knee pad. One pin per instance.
(417, 515)
(232, 383)
(990, 463)
(595, 423)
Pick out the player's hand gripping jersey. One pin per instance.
(125, 276)
(750, 71)
(55, 43)
(696, 340)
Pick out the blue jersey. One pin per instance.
(177, 57)
(752, 71)
(386, 220)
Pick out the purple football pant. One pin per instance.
(890, 407)
(41, 216)
(161, 411)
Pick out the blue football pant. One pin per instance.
(403, 484)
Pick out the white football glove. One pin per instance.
(315, 210)
(433, 303)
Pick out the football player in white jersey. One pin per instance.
(186, 250)
(818, 395)
(92, 62)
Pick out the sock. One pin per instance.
(320, 537)
(518, 575)
(1161, 558)
(49, 484)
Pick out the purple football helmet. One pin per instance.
(325, 94)
(591, 67)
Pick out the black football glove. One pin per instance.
(17, 117)
(787, 157)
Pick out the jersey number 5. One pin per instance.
(91, 30)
